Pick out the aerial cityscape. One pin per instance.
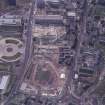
(52, 52)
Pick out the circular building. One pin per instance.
(11, 49)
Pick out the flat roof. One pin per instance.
(4, 81)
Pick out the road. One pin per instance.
(74, 66)
(28, 53)
(82, 32)
(81, 35)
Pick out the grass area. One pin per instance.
(99, 10)
(17, 99)
(4, 67)
(18, 55)
(101, 47)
